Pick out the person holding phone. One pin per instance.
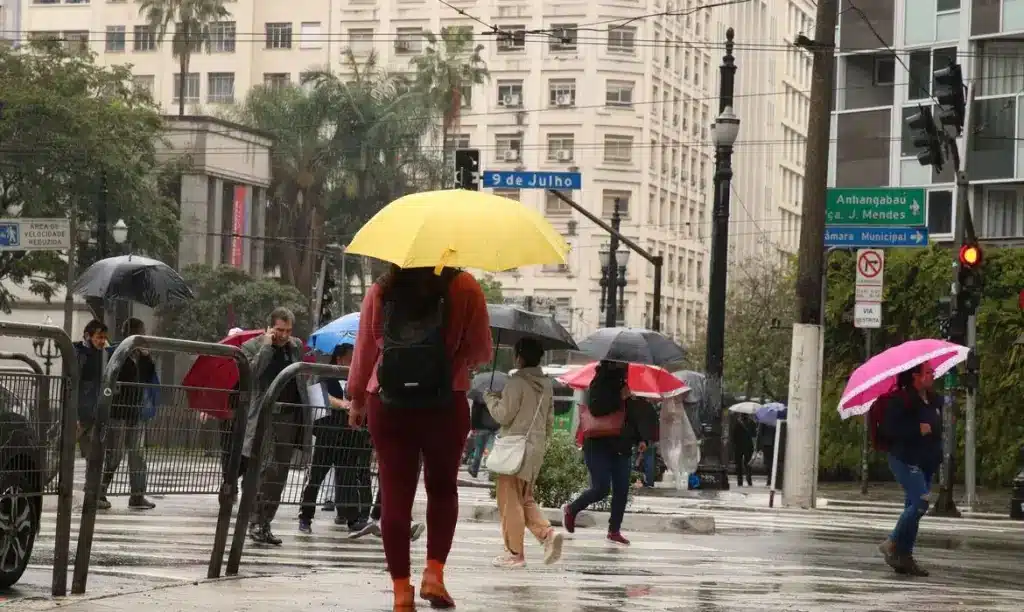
(89, 353)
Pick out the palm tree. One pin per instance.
(448, 69)
(191, 19)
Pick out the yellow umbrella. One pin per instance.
(459, 228)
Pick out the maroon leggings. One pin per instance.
(400, 437)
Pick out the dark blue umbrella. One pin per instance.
(632, 345)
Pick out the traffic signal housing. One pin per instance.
(926, 138)
(969, 277)
(951, 96)
(467, 169)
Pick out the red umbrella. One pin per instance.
(643, 380)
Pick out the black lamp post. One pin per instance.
(712, 468)
(45, 350)
(613, 283)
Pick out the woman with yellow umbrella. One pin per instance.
(423, 325)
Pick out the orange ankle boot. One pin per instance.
(432, 588)
(405, 596)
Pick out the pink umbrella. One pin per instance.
(878, 375)
(644, 380)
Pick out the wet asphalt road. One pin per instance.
(819, 568)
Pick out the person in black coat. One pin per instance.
(89, 354)
(741, 436)
(484, 429)
(124, 430)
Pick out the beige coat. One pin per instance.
(514, 412)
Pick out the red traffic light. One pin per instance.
(970, 255)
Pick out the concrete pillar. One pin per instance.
(215, 223)
(194, 214)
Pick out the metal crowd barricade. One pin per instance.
(171, 447)
(333, 434)
(48, 406)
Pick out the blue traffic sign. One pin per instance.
(500, 179)
(10, 235)
(875, 237)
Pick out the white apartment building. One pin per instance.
(629, 108)
(773, 83)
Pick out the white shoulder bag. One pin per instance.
(509, 452)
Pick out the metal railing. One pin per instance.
(175, 452)
(262, 446)
(52, 438)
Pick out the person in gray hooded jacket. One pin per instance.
(290, 421)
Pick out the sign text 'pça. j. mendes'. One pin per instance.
(501, 179)
(875, 237)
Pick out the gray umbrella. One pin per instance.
(509, 324)
(130, 277)
(486, 381)
(632, 345)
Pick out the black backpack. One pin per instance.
(414, 370)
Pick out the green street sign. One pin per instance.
(891, 206)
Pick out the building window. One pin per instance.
(564, 37)
(999, 214)
(560, 147)
(554, 206)
(885, 70)
(279, 35)
(360, 41)
(115, 39)
(508, 147)
(191, 87)
(618, 149)
(143, 38)
(940, 212)
(222, 37)
(76, 41)
(466, 97)
(512, 39)
(620, 313)
(145, 82)
(309, 35)
(457, 141)
(220, 87)
(923, 65)
(510, 93)
(563, 312)
(608, 198)
(276, 80)
(512, 194)
(409, 41)
(619, 94)
(562, 92)
(622, 40)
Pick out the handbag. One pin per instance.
(605, 426)
(509, 452)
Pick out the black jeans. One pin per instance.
(327, 455)
(742, 458)
(353, 479)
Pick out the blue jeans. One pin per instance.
(608, 471)
(482, 440)
(646, 464)
(916, 484)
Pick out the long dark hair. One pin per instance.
(415, 290)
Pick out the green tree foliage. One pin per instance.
(68, 124)
(191, 21)
(492, 289)
(915, 279)
(227, 297)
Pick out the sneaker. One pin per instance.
(357, 525)
(617, 538)
(509, 561)
(329, 507)
(568, 519)
(340, 520)
(888, 550)
(371, 529)
(553, 547)
(269, 536)
(305, 525)
(262, 534)
(910, 566)
(416, 530)
(102, 503)
(139, 502)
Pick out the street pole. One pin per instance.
(610, 313)
(970, 437)
(803, 420)
(344, 279)
(101, 239)
(712, 468)
(69, 299)
(865, 441)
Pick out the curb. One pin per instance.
(645, 523)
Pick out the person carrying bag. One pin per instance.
(518, 455)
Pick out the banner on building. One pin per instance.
(239, 224)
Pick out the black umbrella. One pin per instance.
(484, 382)
(509, 324)
(130, 277)
(632, 346)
